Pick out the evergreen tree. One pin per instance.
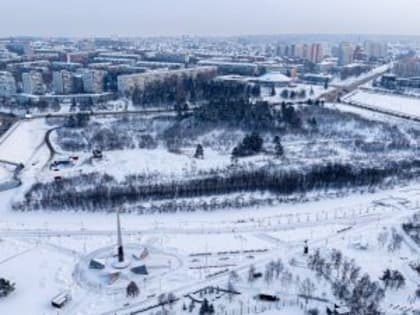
(199, 152)
(273, 90)
(204, 309)
(278, 147)
(211, 309)
(6, 287)
(251, 144)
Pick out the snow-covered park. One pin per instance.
(209, 254)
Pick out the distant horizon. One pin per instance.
(35, 36)
(168, 18)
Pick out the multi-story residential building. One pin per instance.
(87, 45)
(408, 67)
(7, 84)
(28, 50)
(127, 83)
(62, 82)
(33, 83)
(312, 52)
(345, 54)
(230, 67)
(353, 69)
(315, 54)
(305, 52)
(326, 65)
(93, 80)
(375, 49)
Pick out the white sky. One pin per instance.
(207, 17)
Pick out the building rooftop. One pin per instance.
(273, 77)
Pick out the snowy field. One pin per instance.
(142, 161)
(22, 142)
(39, 251)
(387, 102)
(54, 242)
(285, 243)
(39, 272)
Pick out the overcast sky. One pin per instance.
(207, 17)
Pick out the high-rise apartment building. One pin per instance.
(33, 83)
(62, 82)
(345, 54)
(315, 54)
(375, 49)
(7, 84)
(93, 80)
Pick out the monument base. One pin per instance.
(121, 264)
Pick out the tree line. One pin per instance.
(88, 192)
(174, 90)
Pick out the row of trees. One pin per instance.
(275, 270)
(81, 134)
(359, 292)
(412, 228)
(81, 193)
(238, 112)
(253, 144)
(174, 90)
(393, 279)
(292, 94)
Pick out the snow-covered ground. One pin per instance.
(21, 143)
(52, 242)
(39, 273)
(144, 161)
(387, 102)
(311, 92)
(40, 250)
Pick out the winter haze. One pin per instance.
(206, 17)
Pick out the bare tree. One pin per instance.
(306, 288)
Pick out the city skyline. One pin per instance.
(205, 18)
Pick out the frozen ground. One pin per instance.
(38, 271)
(317, 90)
(20, 145)
(39, 251)
(58, 240)
(387, 102)
(121, 163)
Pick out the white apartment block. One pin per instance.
(93, 80)
(62, 82)
(33, 83)
(7, 84)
